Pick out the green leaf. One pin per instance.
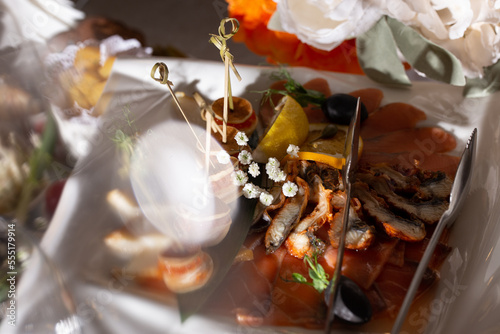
(423, 55)
(308, 261)
(303, 96)
(314, 274)
(299, 278)
(378, 57)
(320, 271)
(319, 285)
(488, 84)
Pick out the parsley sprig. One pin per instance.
(319, 278)
(303, 96)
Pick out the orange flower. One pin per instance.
(285, 48)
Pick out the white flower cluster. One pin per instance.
(273, 170)
(467, 28)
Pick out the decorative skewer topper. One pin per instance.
(220, 42)
(163, 79)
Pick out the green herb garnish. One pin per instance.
(319, 278)
(303, 96)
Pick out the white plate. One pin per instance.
(467, 299)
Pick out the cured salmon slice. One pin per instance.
(363, 267)
(393, 283)
(391, 117)
(266, 110)
(371, 98)
(315, 113)
(320, 85)
(415, 251)
(422, 141)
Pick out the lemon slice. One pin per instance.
(326, 150)
(290, 126)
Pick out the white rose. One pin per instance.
(326, 24)
(436, 19)
(467, 29)
(481, 47)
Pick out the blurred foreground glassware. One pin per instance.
(187, 195)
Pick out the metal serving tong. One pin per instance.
(351, 159)
(459, 192)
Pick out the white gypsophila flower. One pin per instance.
(280, 176)
(293, 150)
(250, 190)
(245, 157)
(266, 198)
(289, 189)
(272, 165)
(325, 24)
(254, 169)
(241, 138)
(240, 177)
(223, 157)
(272, 173)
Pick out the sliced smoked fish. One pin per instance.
(330, 177)
(371, 98)
(397, 257)
(259, 292)
(393, 283)
(301, 240)
(429, 211)
(422, 185)
(394, 225)
(391, 117)
(415, 251)
(266, 110)
(287, 217)
(359, 234)
(315, 113)
(420, 141)
(362, 266)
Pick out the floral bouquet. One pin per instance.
(455, 42)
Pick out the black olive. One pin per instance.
(339, 108)
(351, 304)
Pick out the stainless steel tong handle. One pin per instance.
(351, 159)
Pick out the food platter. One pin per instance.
(466, 300)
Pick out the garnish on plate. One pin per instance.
(302, 95)
(319, 278)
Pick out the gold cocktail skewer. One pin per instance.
(207, 114)
(220, 42)
(163, 79)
